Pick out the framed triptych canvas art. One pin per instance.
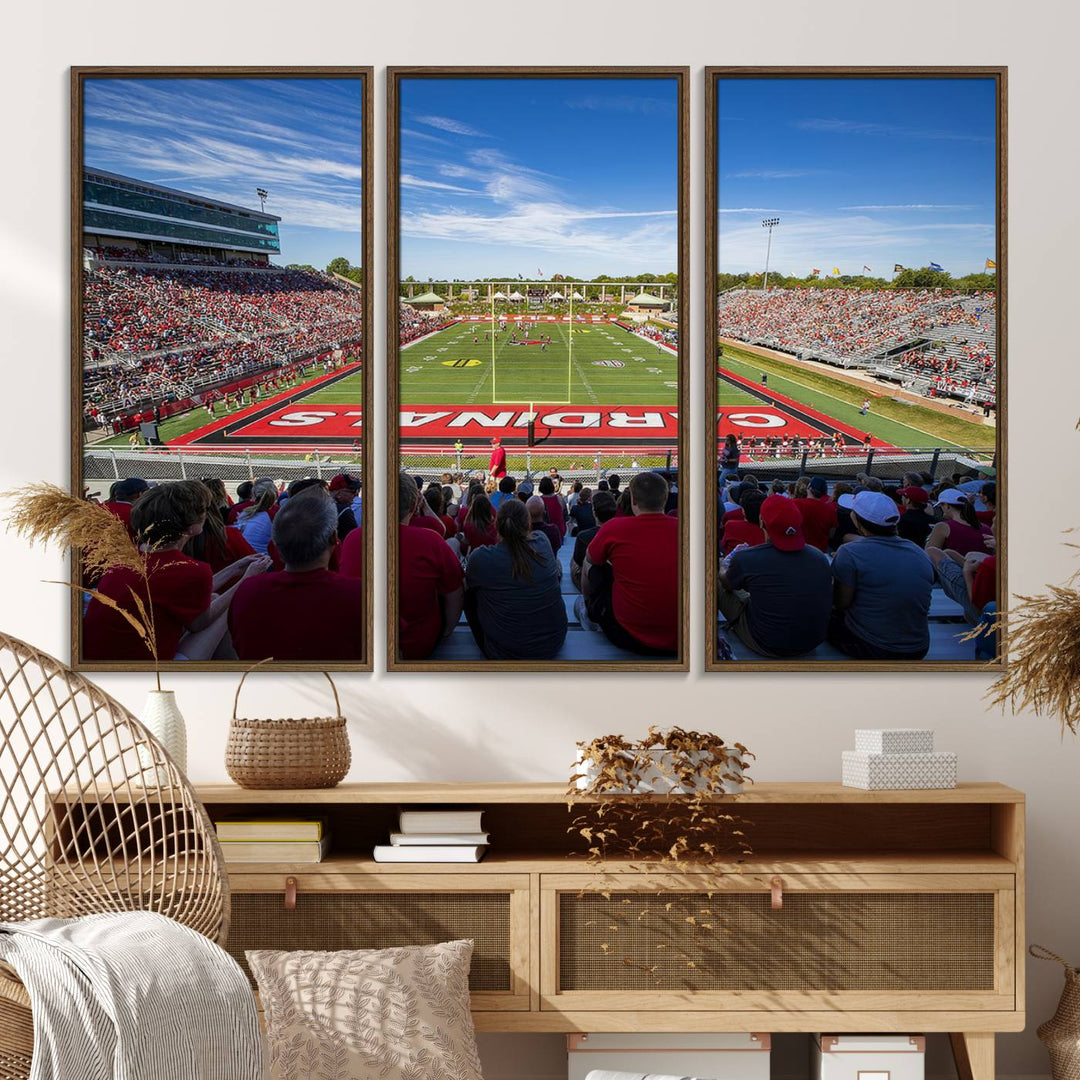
(220, 269)
(855, 351)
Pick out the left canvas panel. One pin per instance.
(221, 247)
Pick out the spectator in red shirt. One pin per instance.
(631, 573)
(431, 591)
(306, 611)
(343, 489)
(959, 530)
(243, 501)
(433, 496)
(554, 505)
(479, 526)
(818, 513)
(497, 463)
(747, 529)
(189, 612)
(535, 506)
(123, 497)
(218, 544)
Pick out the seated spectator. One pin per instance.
(306, 611)
(818, 513)
(777, 596)
(729, 458)
(478, 528)
(345, 490)
(989, 498)
(218, 544)
(256, 520)
(243, 501)
(450, 503)
(603, 510)
(554, 505)
(506, 491)
(970, 580)
(883, 584)
(122, 497)
(535, 507)
(575, 495)
(221, 503)
(187, 601)
(581, 513)
(959, 530)
(433, 496)
(512, 601)
(631, 573)
(747, 529)
(430, 581)
(476, 487)
(915, 523)
(843, 493)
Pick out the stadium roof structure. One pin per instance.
(646, 298)
(426, 298)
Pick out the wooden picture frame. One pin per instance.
(79, 77)
(395, 78)
(714, 76)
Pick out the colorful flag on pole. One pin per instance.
(939, 269)
(897, 269)
(991, 265)
(814, 272)
(836, 271)
(539, 272)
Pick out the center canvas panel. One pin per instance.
(536, 296)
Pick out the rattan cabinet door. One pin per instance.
(340, 910)
(853, 942)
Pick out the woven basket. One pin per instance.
(1061, 1033)
(311, 752)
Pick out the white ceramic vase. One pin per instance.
(163, 719)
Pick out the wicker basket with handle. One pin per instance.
(1061, 1033)
(310, 752)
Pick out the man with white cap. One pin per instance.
(882, 587)
(777, 595)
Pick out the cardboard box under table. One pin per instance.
(710, 1056)
(867, 1057)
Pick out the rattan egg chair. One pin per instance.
(94, 817)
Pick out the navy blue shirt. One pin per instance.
(522, 618)
(790, 596)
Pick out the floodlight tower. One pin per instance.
(263, 196)
(768, 223)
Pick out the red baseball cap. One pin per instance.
(914, 494)
(344, 480)
(782, 520)
(495, 439)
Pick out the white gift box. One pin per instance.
(867, 1057)
(703, 1055)
(898, 772)
(895, 740)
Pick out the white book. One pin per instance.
(434, 853)
(283, 851)
(440, 821)
(401, 839)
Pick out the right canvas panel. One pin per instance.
(856, 351)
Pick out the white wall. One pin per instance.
(523, 726)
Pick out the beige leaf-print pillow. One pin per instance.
(354, 1014)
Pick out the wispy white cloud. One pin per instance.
(415, 182)
(750, 210)
(836, 126)
(448, 123)
(624, 103)
(912, 206)
(773, 174)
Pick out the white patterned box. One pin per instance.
(867, 1057)
(729, 1054)
(899, 740)
(898, 772)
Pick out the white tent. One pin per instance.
(577, 296)
(499, 296)
(515, 295)
(556, 296)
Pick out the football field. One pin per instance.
(598, 364)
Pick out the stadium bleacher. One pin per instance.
(933, 341)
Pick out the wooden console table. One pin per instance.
(859, 911)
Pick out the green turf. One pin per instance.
(892, 421)
(519, 374)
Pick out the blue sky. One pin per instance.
(571, 176)
(860, 171)
(299, 138)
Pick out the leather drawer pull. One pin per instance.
(290, 894)
(776, 889)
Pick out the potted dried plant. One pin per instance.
(47, 514)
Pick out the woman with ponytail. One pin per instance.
(512, 600)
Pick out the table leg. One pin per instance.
(973, 1052)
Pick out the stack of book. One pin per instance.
(427, 836)
(258, 840)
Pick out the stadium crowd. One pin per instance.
(488, 547)
(413, 324)
(277, 574)
(155, 335)
(853, 564)
(844, 322)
